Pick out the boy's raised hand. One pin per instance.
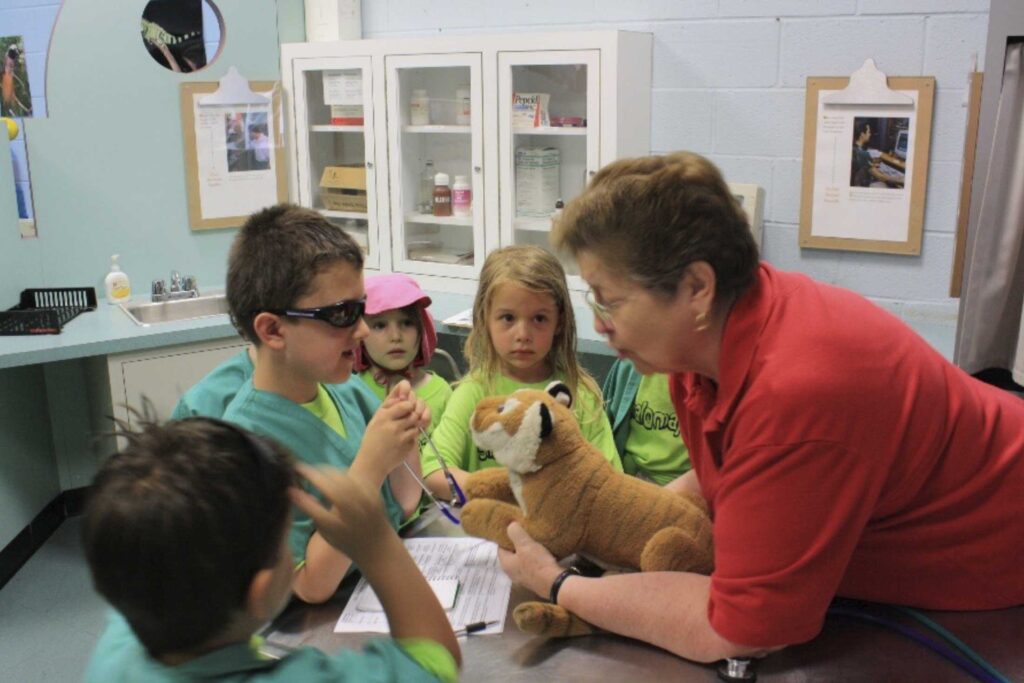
(393, 432)
(356, 517)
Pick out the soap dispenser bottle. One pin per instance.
(116, 283)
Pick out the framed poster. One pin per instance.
(865, 162)
(234, 154)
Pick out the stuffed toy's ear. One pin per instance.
(545, 421)
(561, 393)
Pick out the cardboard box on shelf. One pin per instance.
(343, 188)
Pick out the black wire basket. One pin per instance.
(46, 311)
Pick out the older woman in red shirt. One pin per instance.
(839, 454)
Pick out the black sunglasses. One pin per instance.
(341, 314)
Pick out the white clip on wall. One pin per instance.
(233, 90)
(868, 86)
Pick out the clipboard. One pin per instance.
(232, 93)
(861, 206)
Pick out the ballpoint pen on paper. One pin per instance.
(440, 506)
(458, 497)
(475, 627)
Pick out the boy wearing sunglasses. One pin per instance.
(295, 291)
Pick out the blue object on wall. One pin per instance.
(22, 209)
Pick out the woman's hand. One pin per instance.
(531, 565)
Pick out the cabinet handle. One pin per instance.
(476, 169)
(369, 164)
(591, 173)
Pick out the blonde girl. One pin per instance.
(524, 336)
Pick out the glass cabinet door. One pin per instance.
(549, 127)
(335, 145)
(435, 159)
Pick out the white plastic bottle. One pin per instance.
(463, 106)
(116, 283)
(462, 197)
(419, 108)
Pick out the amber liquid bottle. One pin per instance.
(442, 195)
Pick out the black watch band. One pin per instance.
(559, 580)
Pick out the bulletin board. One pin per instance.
(234, 155)
(859, 197)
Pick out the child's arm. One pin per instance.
(356, 524)
(391, 432)
(391, 436)
(453, 441)
(321, 572)
(438, 485)
(406, 409)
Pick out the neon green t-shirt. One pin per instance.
(435, 392)
(323, 409)
(654, 449)
(456, 446)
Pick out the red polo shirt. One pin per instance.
(841, 454)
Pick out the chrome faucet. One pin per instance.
(181, 288)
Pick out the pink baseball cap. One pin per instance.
(392, 291)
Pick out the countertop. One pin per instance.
(109, 330)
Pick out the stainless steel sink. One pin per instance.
(173, 311)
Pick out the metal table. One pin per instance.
(845, 650)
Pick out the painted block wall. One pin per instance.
(108, 175)
(728, 82)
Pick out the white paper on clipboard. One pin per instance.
(445, 589)
(483, 588)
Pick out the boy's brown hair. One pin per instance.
(537, 270)
(178, 523)
(648, 218)
(275, 257)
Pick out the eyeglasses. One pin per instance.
(340, 314)
(602, 312)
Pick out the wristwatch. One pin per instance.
(559, 580)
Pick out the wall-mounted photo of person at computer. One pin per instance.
(879, 158)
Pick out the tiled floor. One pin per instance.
(50, 617)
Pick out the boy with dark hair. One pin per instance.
(295, 290)
(185, 533)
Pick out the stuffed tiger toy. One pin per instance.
(564, 493)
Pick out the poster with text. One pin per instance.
(863, 171)
(235, 160)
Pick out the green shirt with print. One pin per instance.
(456, 446)
(654, 449)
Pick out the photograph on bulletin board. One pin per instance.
(879, 152)
(16, 100)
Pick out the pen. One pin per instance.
(475, 627)
(440, 506)
(458, 497)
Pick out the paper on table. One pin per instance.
(484, 588)
(445, 588)
(460, 319)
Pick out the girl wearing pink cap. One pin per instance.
(401, 342)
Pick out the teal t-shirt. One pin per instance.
(310, 439)
(119, 657)
(456, 446)
(210, 396)
(654, 449)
